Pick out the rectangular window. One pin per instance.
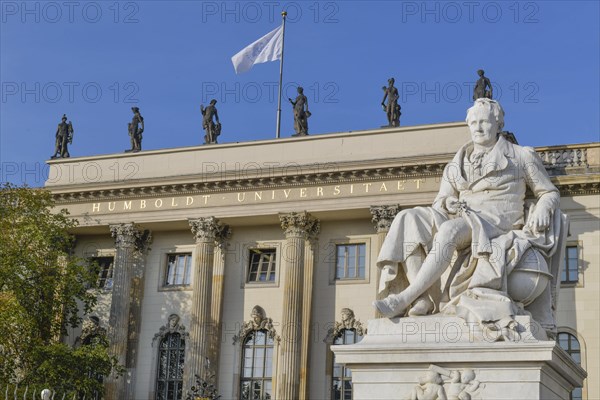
(262, 265)
(178, 269)
(350, 261)
(104, 266)
(571, 267)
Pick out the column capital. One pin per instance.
(130, 235)
(300, 224)
(383, 216)
(209, 229)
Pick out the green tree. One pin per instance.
(44, 289)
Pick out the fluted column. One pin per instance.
(206, 231)
(128, 242)
(382, 217)
(135, 310)
(296, 227)
(218, 282)
(309, 262)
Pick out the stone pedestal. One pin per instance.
(398, 358)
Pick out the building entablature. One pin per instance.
(325, 173)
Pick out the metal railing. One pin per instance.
(16, 392)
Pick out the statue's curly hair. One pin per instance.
(491, 105)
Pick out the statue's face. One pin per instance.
(483, 127)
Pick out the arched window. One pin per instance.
(570, 344)
(341, 378)
(257, 366)
(347, 331)
(169, 380)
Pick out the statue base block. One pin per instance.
(445, 357)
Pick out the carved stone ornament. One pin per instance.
(172, 326)
(383, 216)
(258, 321)
(209, 229)
(441, 383)
(348, 321)
(300, 224)
(128, 235)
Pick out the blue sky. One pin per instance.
(94, 60)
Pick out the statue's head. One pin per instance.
(213, 102)
(300, 89)
(467, 376)
(135, 109)
(480, 72)
(485, 120)
(258, 314)
(391, 81)
(64, 117)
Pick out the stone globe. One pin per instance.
(529, 278)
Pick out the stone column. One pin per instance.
(309, 262)
(218, 282)
(206, 231)
(127, 243)
(296, 227)
(135, 310)
(382, 217)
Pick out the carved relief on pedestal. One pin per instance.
(440, 383)
(258, 321)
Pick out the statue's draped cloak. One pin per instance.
(493, 195)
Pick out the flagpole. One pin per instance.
(283, 15)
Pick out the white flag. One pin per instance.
(267, 48)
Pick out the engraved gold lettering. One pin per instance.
(351, 189)
(127, 205)
(418, 182)
(111, 205)
(286, 192)
(367, 186)
(241, 197)
(158, 203)
(142, 204)
(96, 207)
(206, 197)
(272, 195)
(383, 188)
(257, 196)
(189, 201)
(336, 190)
(302, 192)
(319, 191)
(400, 186)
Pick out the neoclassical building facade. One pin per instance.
(240, 264)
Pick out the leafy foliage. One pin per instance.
(43, 289)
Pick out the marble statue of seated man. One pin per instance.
(478, 220)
